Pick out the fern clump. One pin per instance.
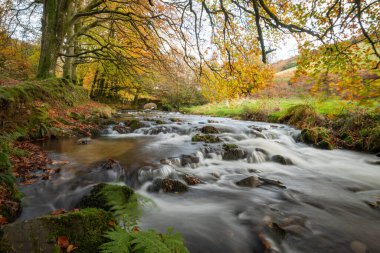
(149, 241)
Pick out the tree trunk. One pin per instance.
(53, 32)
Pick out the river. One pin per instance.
(324, 207)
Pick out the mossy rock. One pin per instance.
(84, 229)
(5, 164)
(205, 138)
(229, 146)
(106, 196)
(318, 136)
(209, 130)
(135, 124)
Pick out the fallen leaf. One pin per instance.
(63, 242)
(70, 248)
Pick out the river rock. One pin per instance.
(233, 152)
(189, 159)
(251, 181)
(150, 106)
(83, 229)
(282, 160)
(121, 129)
(209, 130)
(191, 180)
(84, 141)
(167, 185)
(207, 138)
(378, 154)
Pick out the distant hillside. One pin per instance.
(285, 64)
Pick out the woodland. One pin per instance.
(67, 67)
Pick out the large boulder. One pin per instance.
(83, 229)
(150, 106)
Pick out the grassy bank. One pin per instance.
(329, 123)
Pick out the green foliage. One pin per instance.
(149, 241)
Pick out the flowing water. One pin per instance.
(324, 207)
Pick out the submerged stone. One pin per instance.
(282, 160)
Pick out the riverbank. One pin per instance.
(325, 124)
(36, 110)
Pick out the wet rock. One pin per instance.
(84, 141)
(233, 152)
(257, 128)
(209, 130)
(103, 196)
(358, 247)
(167, 185)
(191, 180)
(165, 161)
(277, 183)
(112, 164)
(251, 181)
(121, 129)
(205, 138)
(378, 154)
(282, 160)
(189, 159)
(175, 120)
(134, 124)
(83, 228)
(212, 121)
(150, 106)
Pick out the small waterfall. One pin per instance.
(257, 157)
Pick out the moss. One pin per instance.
(205, 138)
(134, 124)
(229, 146)
(318, 136)
(83, 228)
(104, 196)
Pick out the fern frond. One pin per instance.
(120, 242)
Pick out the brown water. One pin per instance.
(323, 208)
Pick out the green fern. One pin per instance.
(143, 242)
(120, 242)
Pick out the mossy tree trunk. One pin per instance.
(53, 32)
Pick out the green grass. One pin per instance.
(275, 107)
